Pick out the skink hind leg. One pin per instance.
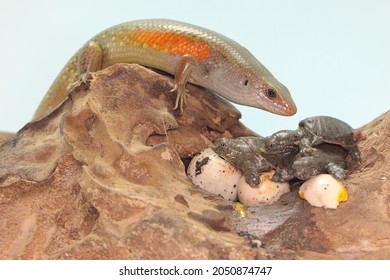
(90, 58)
(88, 62)
(181, 98)
(187, 65)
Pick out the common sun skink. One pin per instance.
(190, 53)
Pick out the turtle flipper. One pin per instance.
(355, 154)
(283, 175)
(252, 168)
(336, 171)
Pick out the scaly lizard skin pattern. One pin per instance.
(190, 53)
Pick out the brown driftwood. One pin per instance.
(103, 177)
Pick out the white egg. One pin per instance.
(212, 173)
(266, 192)
(323, 191)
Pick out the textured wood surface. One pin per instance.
(103, 177)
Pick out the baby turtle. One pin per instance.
(243, 153)
(319, 145)
(323, 143)
(280, 150)
(317, 130)
(325, 158)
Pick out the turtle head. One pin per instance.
(281, 143)
(221, 145)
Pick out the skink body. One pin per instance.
(191, 53)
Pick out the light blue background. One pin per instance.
(334, 56)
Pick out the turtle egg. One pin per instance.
(323, 191)
(266, 192)
(210, 172)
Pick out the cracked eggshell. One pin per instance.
(323, 191)
(212, 173)
(267, 192)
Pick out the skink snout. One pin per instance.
(280, 100)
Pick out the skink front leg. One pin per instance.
(186, 65)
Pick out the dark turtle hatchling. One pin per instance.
(323, 144)
(280, 149)
(319, 145)
(325, 158)
(243, 153)
(314, 131)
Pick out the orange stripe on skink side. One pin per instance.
(175, 44)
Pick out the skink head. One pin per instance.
(255, 86)
(274, 97)
(251, 84)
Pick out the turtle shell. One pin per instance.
(325, 129)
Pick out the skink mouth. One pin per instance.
(287, 103)
(290, 110)
(283, 109)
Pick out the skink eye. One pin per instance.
(271, 93)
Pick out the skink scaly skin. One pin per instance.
(189, 52)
